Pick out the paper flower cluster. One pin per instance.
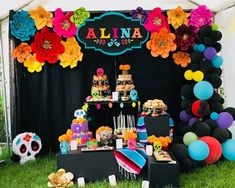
(177, 17)
(181, 58)
(48, 45)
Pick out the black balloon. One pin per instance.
(194, 66)
(197, 57)
(213, 125)
(217, 71)
(230, 134)
(216, 35)
(206, 66)
(217, 46)
(187, 164)
(208, 41)
(201, 128)
(216, 98)
(205, 31)
(187, 91)
(180, 151)
(230, 110)
(185, 104)
(185, 129)
(221, 134)
(177, 139)
(216, 107)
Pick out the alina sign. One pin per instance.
(112, 33)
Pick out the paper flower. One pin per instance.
(22, 26)
(177, 17)
(72, 53)
(129, 135)
(139, 13)
(47, 45)
(200, 17)
(33, 64)
(103, 128)
(63, 25)
(66, 137)
(60, 179)
(181, 58)
(21, 52)
(125, 67)
(161, 43)
(185, 37)
(41, 17)
(79, 16)
(156, 21)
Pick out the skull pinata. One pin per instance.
(26, 146)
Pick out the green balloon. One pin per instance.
(189, 138)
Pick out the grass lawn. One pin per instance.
(34, 175)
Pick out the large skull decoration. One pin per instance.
(79, 113)
(133, 95)
(26, 146)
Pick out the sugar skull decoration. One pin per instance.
(26, 146)
(133, 95)
(131, 144)
(100, 72)
(80, 113)
(64, 147)
(95, 94)
(157, 146)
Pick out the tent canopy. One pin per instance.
(66, 5)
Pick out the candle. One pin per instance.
(81, 182)
(149, 150)
(112, 180)
(119, 143)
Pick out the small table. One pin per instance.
(161, 174)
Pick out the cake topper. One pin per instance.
(133, 95)
(79, 113)
(100, 72)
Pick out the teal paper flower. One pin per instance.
(22, 26)
(79, 16)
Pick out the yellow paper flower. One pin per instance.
(72, 53)
(33, 64)
(41, 17)
(177, 17)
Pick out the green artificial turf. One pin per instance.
(34, 174)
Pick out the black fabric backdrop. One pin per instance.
(45, 101)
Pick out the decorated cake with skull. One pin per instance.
(100, 86)
(26, 146)
(79, 128)
(125, 83)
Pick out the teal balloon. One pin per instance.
(214, 116)
(198, 150)
(203, 90)
(189, 137)
(201, 47)
(217, 61)
(228, 149)
(195, 47)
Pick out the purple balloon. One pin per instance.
(210, 53)
(192, 121)
(225, 120)
(184, 116)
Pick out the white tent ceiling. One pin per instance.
(214, 5)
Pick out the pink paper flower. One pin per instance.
(200, 17)
(156, 21)
(63, 25)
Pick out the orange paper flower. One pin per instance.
(181, 58)
(129, 135)
(177, 17)
(161, 43)
(125, 67)
(79, 120)
(66, 137)
(21, 52)
(41, 17)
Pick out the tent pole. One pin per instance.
(4, 95)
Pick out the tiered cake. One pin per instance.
(124, 82)
(100, 86)
(80, 131)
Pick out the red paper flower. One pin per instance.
(156, 21)
(47, 46)
(185, 37)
